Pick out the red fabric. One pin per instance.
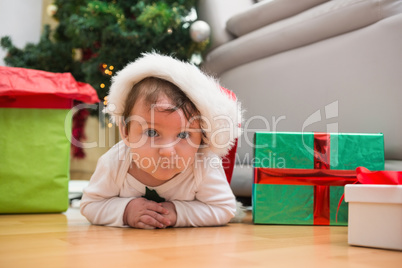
(79, 121)
(228, 161)
(366, 176)
(18, 82)
(45, 101)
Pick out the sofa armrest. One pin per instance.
(216, 13)
(267, 12)
(316, 24)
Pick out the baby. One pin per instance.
(175, 123)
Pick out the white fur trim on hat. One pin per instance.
(221, 113)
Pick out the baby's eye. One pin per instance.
(151, 133)
(183, 135)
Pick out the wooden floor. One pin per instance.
(68, 240)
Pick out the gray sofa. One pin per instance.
(310, 65)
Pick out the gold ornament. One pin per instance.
(51, 10)
(77, 54)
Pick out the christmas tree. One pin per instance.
(94, 39)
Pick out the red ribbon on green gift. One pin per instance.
(321, 192)
(321, 177)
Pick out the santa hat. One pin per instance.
(220, 111)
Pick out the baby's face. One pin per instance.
(163, 143)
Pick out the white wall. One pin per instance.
(22, 21)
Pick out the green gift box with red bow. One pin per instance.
(299, 178)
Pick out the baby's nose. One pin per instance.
(167, 150)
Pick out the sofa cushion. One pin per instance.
(267, 12)
(216, 13)
(316, 24)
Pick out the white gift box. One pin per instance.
(375, 215)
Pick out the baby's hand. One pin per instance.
(146, 214)
(172, 216)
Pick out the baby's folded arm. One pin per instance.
(196, 213)
(108, 211)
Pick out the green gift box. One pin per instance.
(35, 135)
(299, 178)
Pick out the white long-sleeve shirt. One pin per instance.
(201, 193)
